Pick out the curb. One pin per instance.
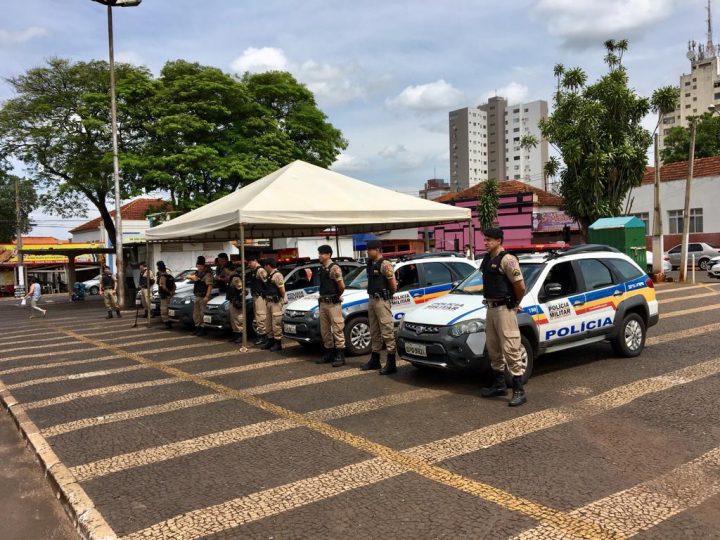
(79, 507)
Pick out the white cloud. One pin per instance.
(347, 162)
(401, 156)
(514, 93)
(257, 60)
(9, 37)
(590, 22)
(430, 96)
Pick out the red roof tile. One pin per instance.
(709, 166)
(28, 240)
(135, 210)
(507, 187)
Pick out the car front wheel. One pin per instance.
(630, 339)
(703, 264)
(94, 290)
(357, 336)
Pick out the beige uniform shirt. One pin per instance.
(510, 266)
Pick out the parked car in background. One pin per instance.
(702, 251)
(713, 267)
(666, 266)
(92, 286)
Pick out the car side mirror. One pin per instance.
(552, 289)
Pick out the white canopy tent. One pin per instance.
(301, 199)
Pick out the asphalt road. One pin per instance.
(174, 436)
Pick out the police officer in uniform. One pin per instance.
(166, 289)
(504, 288)
(275, 298)
(332, 322)
(202, 289)
(107, 289)
(236, 297)
(224, 272)
(258, 277)
(381, 286)
(147, 280)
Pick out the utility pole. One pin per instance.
(657, 239)
(20, 288)
(686, 209)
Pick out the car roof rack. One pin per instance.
(583, 248)
(417, 256)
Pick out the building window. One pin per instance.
(675, 217)
(717, 95)
(515, 130)
(687, 94)
(645, 218)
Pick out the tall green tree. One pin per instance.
(707, 140)
(597, 131)
(8, 209)
(58, 125)
(488, 203)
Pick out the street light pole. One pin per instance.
(20, 289)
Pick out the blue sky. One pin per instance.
(386, 72)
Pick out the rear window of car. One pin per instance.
(624, 269)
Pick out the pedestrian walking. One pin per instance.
(504, 289)
(34, 294)
(108, 285)
(236, 296)
(332, 322)
(275, 299)
(257, 284)
(166, 290)
(381, 287)
(147, 280)
(203, 282)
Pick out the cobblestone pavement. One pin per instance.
(159, 434)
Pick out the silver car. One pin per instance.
(702, 251)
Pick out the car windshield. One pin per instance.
(182, 276)
(356, 278)
(473, 284)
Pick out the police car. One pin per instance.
(420, 278)
(583, 295)
(713, 268)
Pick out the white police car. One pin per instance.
(713, 268)
(420, 278)
(583, 295)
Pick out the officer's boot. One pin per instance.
(109, 315)
(168, 325)
(518, 397)
(339, 358)
(238, 337)
(202, 331)
(327, 357)
(261, 340)
(373, 363)
(498, 387)
(118, 313)
(268, 344)
(144, 315)
(276, 346)
(196, 331)
(390, 366)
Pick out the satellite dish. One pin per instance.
(691, 55)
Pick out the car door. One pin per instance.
(301, 282)
(410, 290)
(559, 300)
(603, 292)
(674, 255)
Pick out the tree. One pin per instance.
(707, 140)
(488, 203)
(597, 131)
(58, 125)
(8, 214)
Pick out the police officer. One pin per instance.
(275, 298)
(236, 297)
(258, 277)
(224, 272)
(381, 286)
(504, 288)
(107, 289)
(147, 280)
(202, 289)
(332, 323)
(166, 290)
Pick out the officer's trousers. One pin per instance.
(332, 325)
(382, 326)
(503, 342)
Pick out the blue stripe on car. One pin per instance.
(456, 319)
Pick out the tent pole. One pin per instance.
(244, 293)
(471, 239)
(337, 241)
(149, 262)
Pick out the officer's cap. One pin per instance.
(325, 249)
(200, 260)
(223, 256)
(270, 261)
(374, 244)
(161, 265)
(494, 232)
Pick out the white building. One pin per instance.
(705, 196)
(526, 165)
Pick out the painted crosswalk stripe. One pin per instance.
(659, 290)
(40, 340)
(214, 440)
(680, 313)
(691, 297)
(58, 364)
(45, 354)
(642, 507)
(682, 334)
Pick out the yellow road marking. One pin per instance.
(683, 334)
(646, 505)
(410, 463)
(682, 289)
(691, 297)
(57, 364)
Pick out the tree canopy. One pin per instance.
(597, 131)
(707, 140)
(8, 214)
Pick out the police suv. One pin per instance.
(586, 294)
(420, 278)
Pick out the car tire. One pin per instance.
(630, 339)
(528, 358)
(702, 263)
(94, 290)
(357, 336)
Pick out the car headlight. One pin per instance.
(316, 314)
(467, 327)
(188, 300)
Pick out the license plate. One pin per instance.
(416, 349)
(207, 318)
(171, 312)
(290, 328)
